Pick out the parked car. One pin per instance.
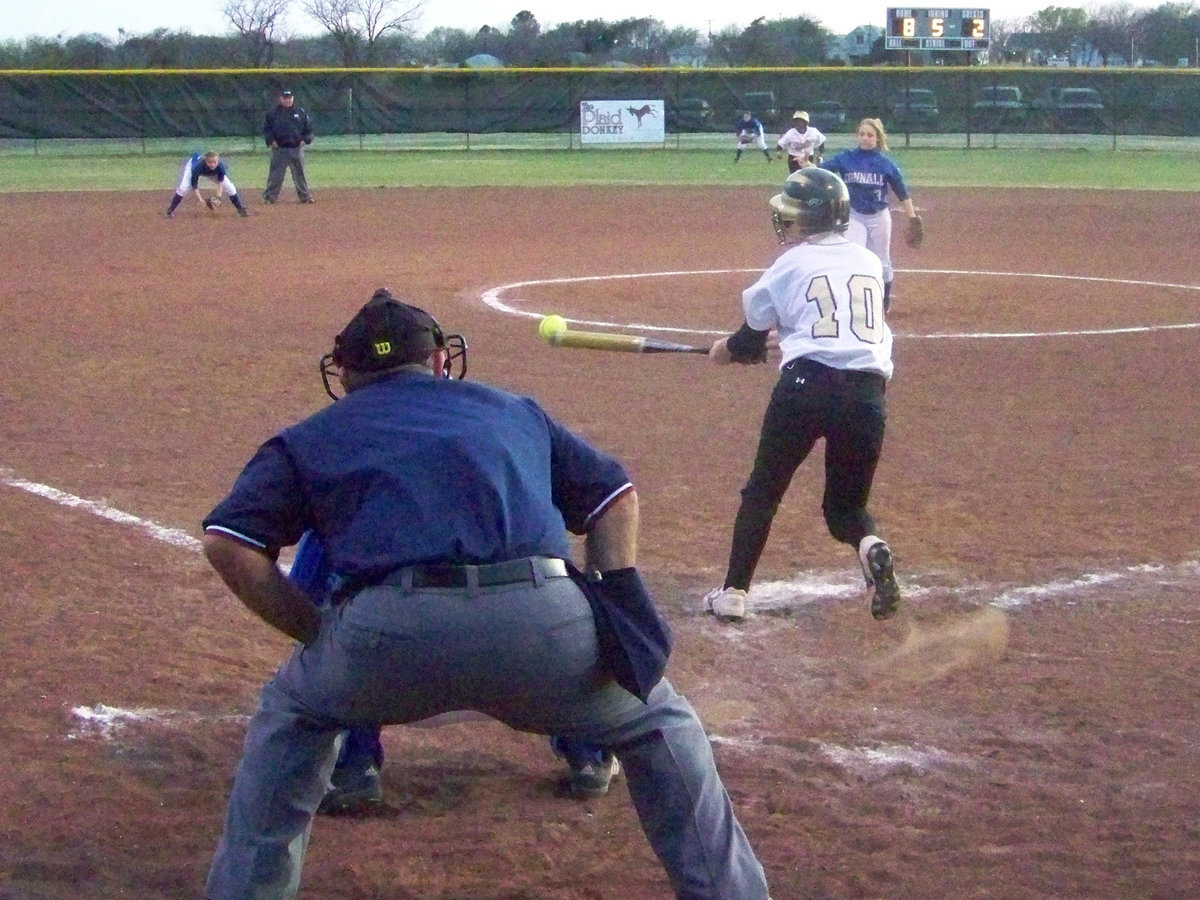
(1173, 109)
(827, 116)
(692, 114)
(1072, 109)
(999, 106)
(916, 109)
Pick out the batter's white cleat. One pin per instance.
(727, 604)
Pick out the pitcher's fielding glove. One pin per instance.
(916, 233)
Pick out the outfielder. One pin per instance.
(748, 132)
(868, 175)
(825, 297)
(208, 165)
(802, 142)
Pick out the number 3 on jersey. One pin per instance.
(866, 308)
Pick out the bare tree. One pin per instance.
(1110, 30)
(258, 22)
(357, 25)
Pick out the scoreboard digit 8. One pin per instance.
(937, 29)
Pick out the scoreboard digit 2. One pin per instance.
(936, 29)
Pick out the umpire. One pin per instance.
(444, 507)
(287, 130)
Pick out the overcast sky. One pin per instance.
(21, 19)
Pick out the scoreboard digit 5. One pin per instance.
(936, 29)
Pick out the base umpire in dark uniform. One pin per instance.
(287, 130)
(445, 506)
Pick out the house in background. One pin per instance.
(855, 46)
(692, 56)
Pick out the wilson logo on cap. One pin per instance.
(382, 348)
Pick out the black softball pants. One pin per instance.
(812, 401)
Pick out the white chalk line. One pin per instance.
(108, 723)
(172, 536)
(769, 597)
(113, 724)
(493, 299)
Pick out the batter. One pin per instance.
(825, 297)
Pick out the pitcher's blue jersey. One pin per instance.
(868, 175)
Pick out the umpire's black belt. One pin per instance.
(530, 570)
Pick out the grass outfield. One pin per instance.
(1174, 170)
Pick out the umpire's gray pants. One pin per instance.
(522, 654)
(282, 159)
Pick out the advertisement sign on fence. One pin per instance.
(621, 121)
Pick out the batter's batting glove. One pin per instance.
(916, 233)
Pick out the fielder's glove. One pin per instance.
(210, 202)
(916, 233)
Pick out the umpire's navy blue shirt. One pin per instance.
(414, 468)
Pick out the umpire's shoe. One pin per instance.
(352, 793)
(590, 770)
(591, 779)
(884, 591)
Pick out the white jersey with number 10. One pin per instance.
(825, 296)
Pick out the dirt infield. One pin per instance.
(1026, 728)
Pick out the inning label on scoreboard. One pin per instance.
(937, 29)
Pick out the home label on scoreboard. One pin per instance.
(937, 29)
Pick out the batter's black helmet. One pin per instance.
(813, 200)
(385, 334)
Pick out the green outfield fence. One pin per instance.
(426, 109)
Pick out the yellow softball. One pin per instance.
(550, 326)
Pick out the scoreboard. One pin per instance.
(936, 29)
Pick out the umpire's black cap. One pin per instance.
(386, 333)
(285, 93)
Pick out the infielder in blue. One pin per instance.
(748, 132)
(444, 507)
(210, 166)
(869, 175)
